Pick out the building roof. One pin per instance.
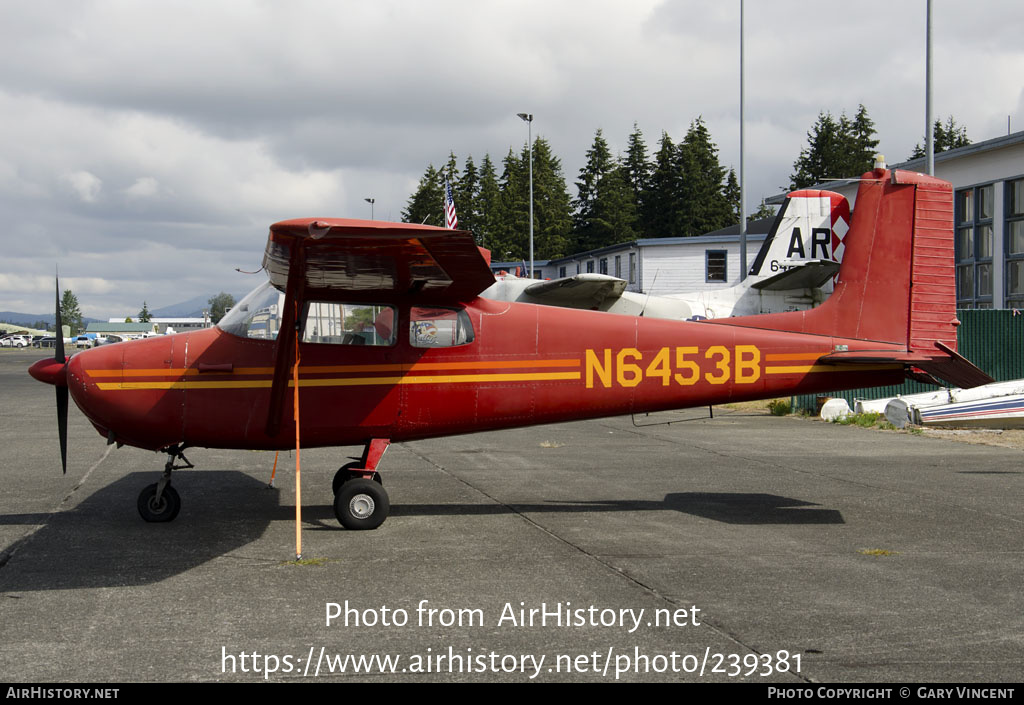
(100, 327)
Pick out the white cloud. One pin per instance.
(85, 185)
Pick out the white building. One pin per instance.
(669, 265)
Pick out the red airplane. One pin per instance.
(393, 344)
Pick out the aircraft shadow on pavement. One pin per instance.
(726, 507)
(103, 542)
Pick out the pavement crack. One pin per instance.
(7, 554)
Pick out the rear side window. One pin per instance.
(349, 324)
(431, 327)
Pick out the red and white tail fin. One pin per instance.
(896, 283)
(810, 227)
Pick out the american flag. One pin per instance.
(450, 220)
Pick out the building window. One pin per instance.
(714, 265)
(632, 267)
(604, 265)
(561, 272)
(590, 266)
(974, 212)
(618, 266)
(1014, 243)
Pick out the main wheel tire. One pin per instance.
(361, 504)
(165, 509)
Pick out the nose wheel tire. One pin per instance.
(159, 510)
(361, 504)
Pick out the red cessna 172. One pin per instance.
(394, 344)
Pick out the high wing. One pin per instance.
(579, 291)
(345, 257)
(333, 259)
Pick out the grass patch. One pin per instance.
(779, 407)
(867, 420)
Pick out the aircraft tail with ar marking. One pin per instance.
(896, 283)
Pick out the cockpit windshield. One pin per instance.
(258, 315)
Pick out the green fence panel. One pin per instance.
(992, 339)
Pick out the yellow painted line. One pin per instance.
(333, 369)
(797, 369)
(787, 357)
(345, 381)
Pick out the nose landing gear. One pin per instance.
(160, 502)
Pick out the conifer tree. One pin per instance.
(660, 199)
(489, 206)
(426, 205)
(599, 162)
(944, 138)
(703, 206)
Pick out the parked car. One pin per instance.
(46, 342)
(16, 341)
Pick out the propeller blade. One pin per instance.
(58, 348)
(62, 425)
(62, 391)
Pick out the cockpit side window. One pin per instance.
(334, 323)
(432, 327)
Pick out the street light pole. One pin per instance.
(528, 119)
(371, 201)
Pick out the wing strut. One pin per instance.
(290, 322)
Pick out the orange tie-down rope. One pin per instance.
(298, 462)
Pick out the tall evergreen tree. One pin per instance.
(703, 206)
(836, 149)
(70, 313)
(426, 205)
(637, 167)
(864, 145)
(944, 138)
(466, 195)
(731, 191)
(613, 218)
(658, 213)
(599, 162)
(144, 316)
(490, 207)
(552, 212)
(817, 161)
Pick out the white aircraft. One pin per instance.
(793, 271)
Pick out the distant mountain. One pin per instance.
(193, 308)
(28, 319)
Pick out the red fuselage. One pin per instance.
(527, 365)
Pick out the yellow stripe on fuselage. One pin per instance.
(344, 381)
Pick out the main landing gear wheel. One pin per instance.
(345, 473)
(361, 504)
(159, 510)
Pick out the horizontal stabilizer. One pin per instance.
(579, 290)
(800, 274)
(946, 365)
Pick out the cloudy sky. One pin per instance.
(146, 146)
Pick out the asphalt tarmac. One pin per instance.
(741, 548)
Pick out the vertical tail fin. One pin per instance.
(809, 227)
(896, 281)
